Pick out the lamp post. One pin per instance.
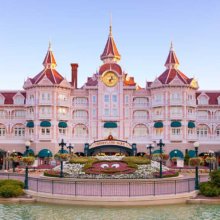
(161, 144)
(196, 145)
(27, 145)
(62, 144)
(150, 147)
(211, 153)
(48, 156)
(70, 148)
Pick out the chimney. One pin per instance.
(74, 67)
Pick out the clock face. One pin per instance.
(110, 79)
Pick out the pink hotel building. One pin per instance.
(109, 106)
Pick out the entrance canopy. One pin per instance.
(176, 153)
(45, 153)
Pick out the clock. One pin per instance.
(110, 78)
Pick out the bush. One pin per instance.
(82, 160)
(136, 160)
(12, 182)
(51, 173)
(167, 174)
(215, 177)
(8, 191)
(209, 189)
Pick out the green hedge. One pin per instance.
(209, 189)
(137, 160)
(11, 188)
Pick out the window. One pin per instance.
(19, 100)
(62, 97)
(126, 99)
(94, 99)
(176, 110)
(2, 100)
(106, 112)
(2, 131)
(80, 114)
(45, 131)
(80, 130)
(175, 96)
(2, 114)
(202, 115)
(62, 131)
(114, 98)
(115, 112)
(176, 131)
(203, 100)
(19, 131)
(140, 100)
(202, 131)
(45, 110)
(19, 114)
(140, 131)
(106, 98)
(158, 131)
(94, 112)
(190, 131)
(127, 112)
(80, 101)
(218, 132)
(30, 131)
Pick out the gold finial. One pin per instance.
(171, 46)
(110, 27)
(49, 48)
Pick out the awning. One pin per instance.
(64, 152)
(110, 124)
(30, 124)
(191, 153)
(62, 124)
(191, 124)
(45, 124)
(175, 124)
(158, 124)
(45, 153)
(29, 153)
(157, 152)
(176, 153)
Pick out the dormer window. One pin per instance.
(203, 100)
(2, 100)
(19, 100)
(219, 100)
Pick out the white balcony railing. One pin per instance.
(45, 137)
(63, 116)
(176, 137)
(176, 115)
(45, 116)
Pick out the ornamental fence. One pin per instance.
(108, 188)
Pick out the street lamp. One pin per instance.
(161, 144)
(27, 145)
(62, 144)
(150, 147)
(48, 157)
(211, 154)
(70, 147)
(196, 145)
(14, 154)
(8, 160)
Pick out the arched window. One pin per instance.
(19, 100)
(202, 131)
(19, 130)
(140, 130)
(217, 132)
(80, 130)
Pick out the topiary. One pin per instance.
(215, 177)
(8, 191)
(209, 189)
(12, 182)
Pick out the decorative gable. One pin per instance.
(45, 81)
(203, 99)
(27, 83)
(18, 99)
(156, 83)
(65, 83)
(176, 81)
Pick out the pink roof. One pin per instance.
(110, 50)
(169, 74)
(9, 96)
(213, 97)
(110, 66)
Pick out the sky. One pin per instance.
(78, 31)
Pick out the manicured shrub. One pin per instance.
(136, 160)
(52, 173)
(209, 189)
(8, 191)
(215, 178)
(12, 182)
(82, 160)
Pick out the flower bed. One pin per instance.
(52, 173)
(166, 174)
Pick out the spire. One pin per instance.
(172, 61)
(110, 53)
(49, 60)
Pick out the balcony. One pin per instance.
(176, 115)
(176, 102)
(45, 137)
(45, 116)
(64, 103)
(80, 119)
(30, 103)
(156, 137)
(157, 117)
(176, 137)
(192, 137)
(45, 102)
(202, 118)
(30, 116)
(141, 105)
(191, 103)
(80, 105)
(157, 103)
(63, 116)
(191, 117)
